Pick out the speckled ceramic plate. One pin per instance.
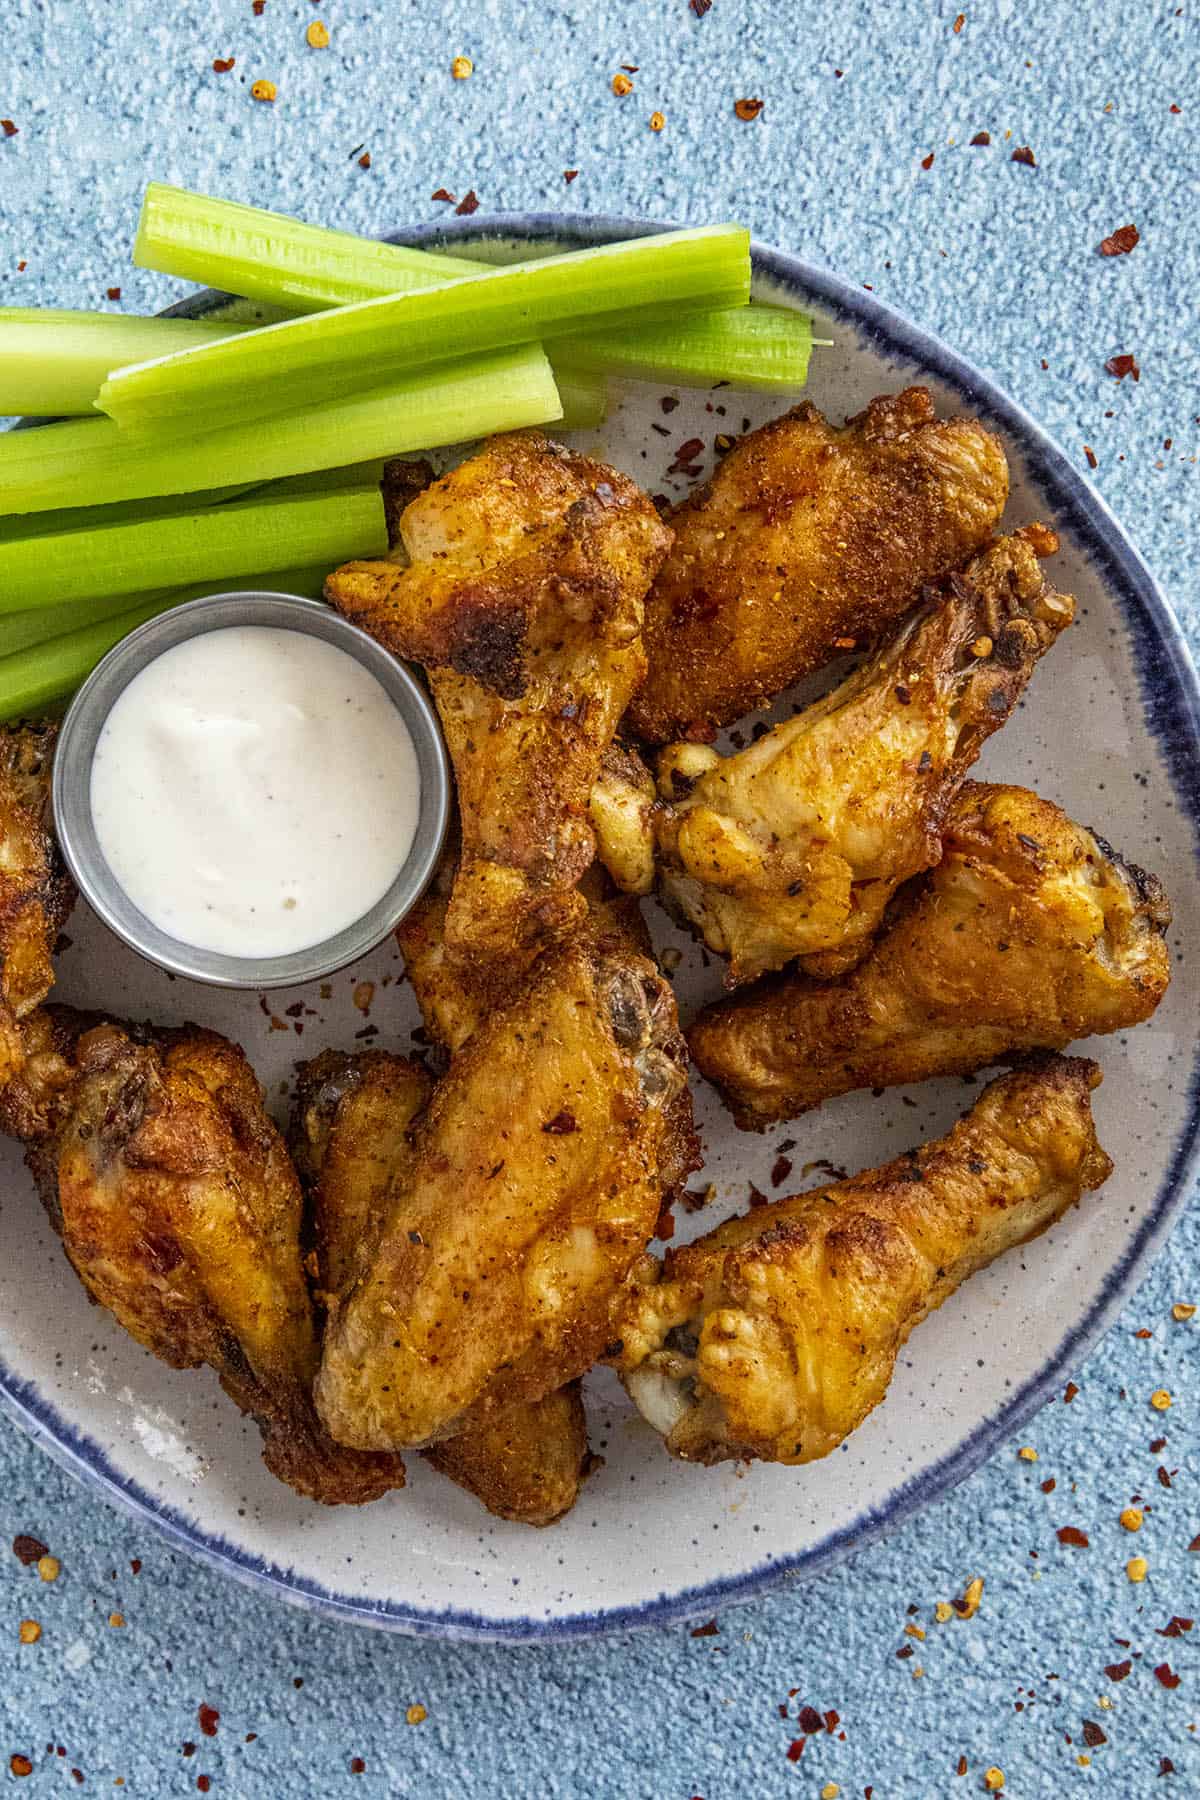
(1109, 730)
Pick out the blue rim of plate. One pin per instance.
(1170, 695)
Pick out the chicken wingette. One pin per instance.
(794, 846)
(521, 591)
(809, 539)
(349, 1138)
(1031, 932)
(774, 1336)
(180, 1210)
(533, 1185)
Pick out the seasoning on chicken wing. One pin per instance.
(776, 1335)
(1029, 933)
(35, 898)
(180, 1210)
(794, 846)
(809, 539)
(533, 1185)
(522, 595)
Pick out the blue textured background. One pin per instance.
(1001, 260)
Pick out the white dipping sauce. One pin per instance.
(254, 791)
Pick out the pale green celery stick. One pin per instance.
(33, 626)
(35, 677)
(326, 355)
(584, 396)
(212, 545)
(90, 462)
(752, 346)
(324, 481)
(53, 361)
(123, 512)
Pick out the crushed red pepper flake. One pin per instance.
(8, 128)
(781, 1170)
(709, 1630)
(1023, 154)
(1119, 1670)
(1164, 1476)
(1093, 1734)
(1120, 242)
(259, 7)
(1175, 1627)
(700, 7)
(961, 1766)
(364, 161)
(1165, 1765)
(927, 161)
(1091, 456)
(1071, 1534)
(1069, 1393)
(562, 1124)
(1121, 366)
(20, 1765)
(223, 64)
(135, 1565)
(28, 1550)
(1049, 1485)
(209, 1719)
(981, 137)
(569, 175)
(203, 1783)
(748, 110)
(357, 1765)
(468, 204)
(958, 24)
(795, 1749)
(1166, 1675)
(443, 194)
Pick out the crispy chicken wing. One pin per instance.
(349, 1138)
(533, 1185)
(794, 846)
(180, 1210)
(35, 898)
(1029, 933)
(776, 1335)
(806, 536)
(523, 596)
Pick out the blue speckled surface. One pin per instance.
(998, 258)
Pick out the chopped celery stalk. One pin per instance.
(122, 512)
(34, 678)
(211, 545)
(750, 347)
(89, 461)
(584, 396)
(37, 624)
(53, 361)
(267, 256)
(326, 355)
(324, 481)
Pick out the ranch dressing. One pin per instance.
(254, 791)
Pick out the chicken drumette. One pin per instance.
(808, 539)
(774, 1336)
(1031, 932)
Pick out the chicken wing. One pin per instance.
(794, 846)
(180, 1210)
(349, 1139)
(1029, 933)
(776, 1335)
(523, 596)
(533, 1185)
(806, 537)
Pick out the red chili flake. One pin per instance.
(1049, 1485)
(21, 267)
(747, 109)
(357, 1765)
(709, 1630)
(1118, 1671)
(223, 64)
(135, 1565)
(903, 1651)
(29, 1549)
(1165, 1765)
(1091, 456)
(209, 1718)
(443, 194)
(1195, 1543)
(250, 1737)
(8, 128)
(1164, 1476)
(1093, 1736)
(187, 1749)
(832, 1721)
(961, 1766)
(664, 1225)
(569, 175)
(700, 7)
(927, 161)
(810, 1721)
(958, 24)
(468, 204)
(1071, 1534)
(561, 1125)
(1166, 1674)
(1023, 154)
(1121, 242)
(1121, 366)
(757, 1197)
(1173, 108)
(1157, 1444)
(203, 1783)
(795, 1749)
(1132, 367)
(260, 7)
(364, 161)
(982, 137)
(781, 1170)
(1175, 1627)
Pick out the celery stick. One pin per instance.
(123, 512)
(764, 347)
(270, 257)
(90, 462)
(326, 355)
(35, 677)
(54, 361)
(210, 545)
(325, 481)
(584, 396)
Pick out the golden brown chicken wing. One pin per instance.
(349, 1139)
(794, 846)
(534, 1183)
(523, 596)
(776, 1335)
(1029, 933)
(35, 898)
(808, 536)
(180, 1210)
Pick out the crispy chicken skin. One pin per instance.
(180, 1210)
(349, 1138)
(533, 1185)
(35, 898)
(794, 846)
(774, 1336)
(808, 534)
(522, 595)
(1031, 932)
